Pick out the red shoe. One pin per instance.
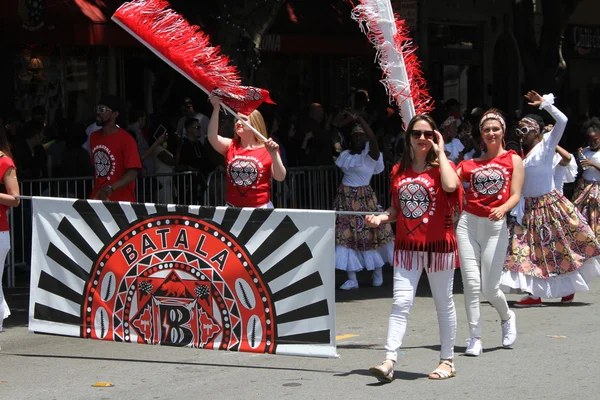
(567, 299)
(529, 302)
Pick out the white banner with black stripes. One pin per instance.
(254, 280)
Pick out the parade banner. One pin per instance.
(252, 280)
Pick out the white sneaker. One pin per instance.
(377, 277)
(349, 285)
(509, 330)
(475, 348)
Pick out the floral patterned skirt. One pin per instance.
(554, 238)
(586, 200)
(554, 252)
(350, 230)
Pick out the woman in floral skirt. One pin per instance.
(356, 246)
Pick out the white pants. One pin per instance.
(4, 248)
(482, 248)
(405, 286)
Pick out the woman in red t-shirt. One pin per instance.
(8, 178)
(249, 163)
(494, 183)
(425, 191)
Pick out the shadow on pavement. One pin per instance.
(553, 303)
(197, 364)
(398, 375)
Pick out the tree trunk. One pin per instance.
(543, 63)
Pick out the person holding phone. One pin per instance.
(425, 192)
(494, 182)
(249, 163)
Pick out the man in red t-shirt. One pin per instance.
(114, 154)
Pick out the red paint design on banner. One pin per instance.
(178, 280)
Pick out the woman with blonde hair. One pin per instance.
(494, 182)
(249, 163)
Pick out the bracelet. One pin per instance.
(110, 187)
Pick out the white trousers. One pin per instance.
(405, 287)
(482, 248)
(4, 248)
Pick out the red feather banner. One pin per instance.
(187, 49)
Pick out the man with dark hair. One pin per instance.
(29, 154)
(189, 111)
(114, 154)
(192, 155)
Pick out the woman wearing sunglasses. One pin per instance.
(552, 251)
(494, 182)
(425, 192)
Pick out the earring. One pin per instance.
(481, 146)
(411, 152)
(503, 143)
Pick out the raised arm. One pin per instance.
(219, 143)
(546, 103)
(450, 181)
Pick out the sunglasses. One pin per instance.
(101, 109)
(524, 130)
(417, 134)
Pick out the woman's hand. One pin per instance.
(439, 146)
(272, 146)
(535, 100)
(497, 214)
(373, 221)
(215, 101)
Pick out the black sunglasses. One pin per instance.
(417, 134)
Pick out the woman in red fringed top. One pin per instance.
(249, 163)
(425, 192)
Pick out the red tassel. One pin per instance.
(185, 46)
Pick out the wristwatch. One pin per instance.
(110, 187)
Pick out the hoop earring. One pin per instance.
(503, 143)
(411, 152)
(481, 146)
(521, 146)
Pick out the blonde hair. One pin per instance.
(258, 122)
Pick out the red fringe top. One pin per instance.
(425, 224)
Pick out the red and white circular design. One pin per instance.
(414, 200)
(489, 181)
(178, 280)
(244, 171)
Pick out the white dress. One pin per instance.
(358, 170)
(563, 173)
(539, 181)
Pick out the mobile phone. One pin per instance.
(161, 130)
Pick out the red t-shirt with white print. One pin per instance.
(112, 156)
(5, 163)
(248, 176)
(489, 183)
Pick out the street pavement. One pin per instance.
(555, 357)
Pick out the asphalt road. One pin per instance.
(555, 357)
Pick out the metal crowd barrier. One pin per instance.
(304, 187)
